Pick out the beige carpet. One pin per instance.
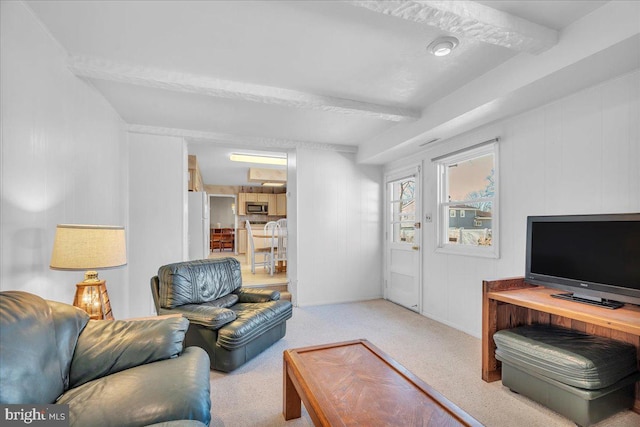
(445, 358)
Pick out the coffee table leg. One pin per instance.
(291, 403)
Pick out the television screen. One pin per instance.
(597, 253)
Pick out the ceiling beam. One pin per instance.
(97, 68)
(245, 141)
(471, 20)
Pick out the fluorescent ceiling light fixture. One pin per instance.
(264, 160)
(272, 184)
(443, 46)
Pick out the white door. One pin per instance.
(403, 254)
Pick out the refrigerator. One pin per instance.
(199, 233)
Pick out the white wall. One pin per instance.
(292, 224)
(64, 160)
(157, 212)
(339, 243)
(580, 154)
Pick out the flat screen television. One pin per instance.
(594, 257)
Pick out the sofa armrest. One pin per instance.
(158, 317)
(203, 315)
(171, 389)
(107, 347)
(256, 295)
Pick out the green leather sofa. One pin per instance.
(232, 323)
(110, 373)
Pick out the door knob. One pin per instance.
(415, 248)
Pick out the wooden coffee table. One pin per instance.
(355, 383)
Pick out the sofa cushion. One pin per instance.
(30, 369)
(222, 302)
(252, 320)
(204, 315)
(171, 389)
(69, 321)
(195, 282)
(107, 347)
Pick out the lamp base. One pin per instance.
(93, 298)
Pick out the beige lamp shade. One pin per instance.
(88, 247)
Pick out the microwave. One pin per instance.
(257, 208)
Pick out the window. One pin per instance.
(468, 184)
(403, 210)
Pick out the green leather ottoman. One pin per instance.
(583, 377)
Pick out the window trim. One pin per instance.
(443, 162)
(399, 175)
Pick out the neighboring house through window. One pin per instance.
(468, 201)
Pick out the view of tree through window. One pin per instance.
(403, 210)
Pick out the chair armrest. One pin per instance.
(203, 315)
(159, 316)
(106, 347)
(171, 389)
(256, 295)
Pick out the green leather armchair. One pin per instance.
(231, 323)
(110, 373)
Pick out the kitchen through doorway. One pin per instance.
(224, 223)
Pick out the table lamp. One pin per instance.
(90, 247)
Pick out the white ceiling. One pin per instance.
(219, 170)
(341, 75)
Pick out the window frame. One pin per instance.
(389, 220)
(443, 163)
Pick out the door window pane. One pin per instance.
(403, 210)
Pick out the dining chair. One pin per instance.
(214, 239)
(265, 252)
(227, 239)
(280, 255)
(270, 230)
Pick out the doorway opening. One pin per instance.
(224, 222)
(241, 191)
(403, 259)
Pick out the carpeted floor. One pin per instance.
(446, 359)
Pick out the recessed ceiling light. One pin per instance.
(264, 160)
(443, 46)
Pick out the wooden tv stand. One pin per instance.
(507, 303)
